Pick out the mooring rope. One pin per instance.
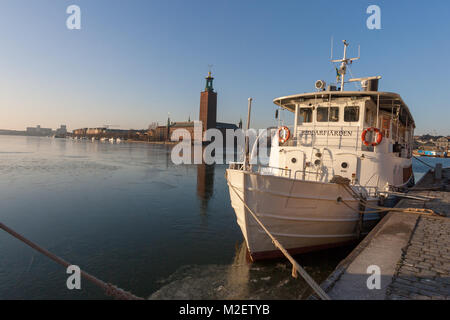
(344, 182)
(295, 266)
(384, 209)
(110, 289)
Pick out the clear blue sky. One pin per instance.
(134, 61)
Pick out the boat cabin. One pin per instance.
(337, 119)
(335, 130)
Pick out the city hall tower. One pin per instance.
(208, 105)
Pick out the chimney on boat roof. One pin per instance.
(369, 83)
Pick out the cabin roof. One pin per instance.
(387, 99)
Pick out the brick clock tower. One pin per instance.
(208, 105)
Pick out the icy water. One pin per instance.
(126, 214)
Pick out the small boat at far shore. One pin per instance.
(430, 153)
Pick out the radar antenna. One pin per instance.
(344, 62)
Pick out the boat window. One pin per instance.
(306, 114)
(351, 114)
(334, 114)
(385, 124)
(370, 118)
(401, 133)
(394, 130)
(323, 116)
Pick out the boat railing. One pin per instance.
(304, 172)
(367, 191)
(274, 171)
(262, 169)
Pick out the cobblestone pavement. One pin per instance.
(412, 250)
(423, 272)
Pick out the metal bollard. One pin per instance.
(438, 171)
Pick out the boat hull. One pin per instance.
(303, 215)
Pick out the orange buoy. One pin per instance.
(378, 139)
(283, 134)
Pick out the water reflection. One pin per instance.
(205, 184)
(209, 281)
(238, 274)
(244, 280)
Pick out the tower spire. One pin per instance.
(209, 82)
(208, 105)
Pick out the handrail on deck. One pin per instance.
(286, 172)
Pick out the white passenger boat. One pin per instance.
(362, 138)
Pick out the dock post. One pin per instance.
(361, 209)
(247, 147)
(438, 171)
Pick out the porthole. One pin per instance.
(293, 160)
(344, 165)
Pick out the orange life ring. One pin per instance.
(285, 137)
(377, 141)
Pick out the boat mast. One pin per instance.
(344, 62)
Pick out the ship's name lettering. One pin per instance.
(342, 133)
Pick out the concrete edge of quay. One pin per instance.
(411, 250)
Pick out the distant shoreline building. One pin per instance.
(443, 143)
(208, 109)
(38, 131)
(208, 105)
(111, 133)
(207, 115)
(61, 132)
